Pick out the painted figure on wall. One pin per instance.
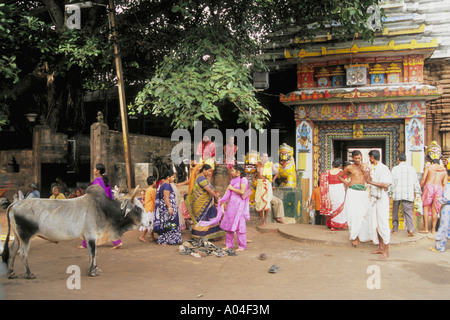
(414, 132)
(304, 136)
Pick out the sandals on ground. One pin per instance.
(274, 269)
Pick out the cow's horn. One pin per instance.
(134, 192)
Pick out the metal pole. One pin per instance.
(122, 101)
(250, 133)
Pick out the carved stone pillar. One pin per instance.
(99, 144)
(445, 134)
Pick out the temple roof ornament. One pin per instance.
(409, 25)
(362, 94)
(392, 47)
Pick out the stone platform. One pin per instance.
(322, 235)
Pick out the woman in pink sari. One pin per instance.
(237, 211)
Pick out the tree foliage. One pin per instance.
(187, 87)
(47, 67)
(186, 57)
(217, 49)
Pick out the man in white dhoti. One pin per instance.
(379, 180)
(357, 199)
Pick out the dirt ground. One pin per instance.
(146, 271)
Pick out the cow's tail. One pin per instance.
(5, 253)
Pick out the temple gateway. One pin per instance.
(360, 95)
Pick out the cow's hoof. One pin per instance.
(12, 276)
(30, 276)
(93, 274)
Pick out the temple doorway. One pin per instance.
(343, 148)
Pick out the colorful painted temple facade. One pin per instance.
(360, 95)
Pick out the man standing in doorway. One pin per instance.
(404, 188)
(357, 199)
(380, 180)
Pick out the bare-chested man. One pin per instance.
(357, 199)
(433, 182)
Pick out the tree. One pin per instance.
(47, 67)
(187, 57)
(217, 51)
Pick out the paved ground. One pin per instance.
(314, 262)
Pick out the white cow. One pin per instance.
(93, 217)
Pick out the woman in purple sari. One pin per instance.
(102, 181)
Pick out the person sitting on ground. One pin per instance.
(33, 192)
(56, 194)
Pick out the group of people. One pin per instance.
(349, 196)
(59, 190)
(356, 197)
(208, 215)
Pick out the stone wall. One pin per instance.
(103, 145)
(437, 73)
(19, 177)
(142, 148)
(48, 148)
(107, 147)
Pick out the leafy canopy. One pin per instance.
(216, 52)
(186, 57)
(197, 76)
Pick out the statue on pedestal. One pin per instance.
(286, 169)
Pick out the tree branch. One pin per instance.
(56, 13)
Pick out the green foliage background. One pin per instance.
(186, 57)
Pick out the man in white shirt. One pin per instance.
(379, 181)
(404, 189)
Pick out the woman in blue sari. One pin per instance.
(201, 204)
(166, 223)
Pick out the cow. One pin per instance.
(93, 217)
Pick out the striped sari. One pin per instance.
(201, 207)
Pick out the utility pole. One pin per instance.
(122, 100)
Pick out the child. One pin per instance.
(315, 198)
(263, 194)
(149, 205)
(142, 197)
(183, 209)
